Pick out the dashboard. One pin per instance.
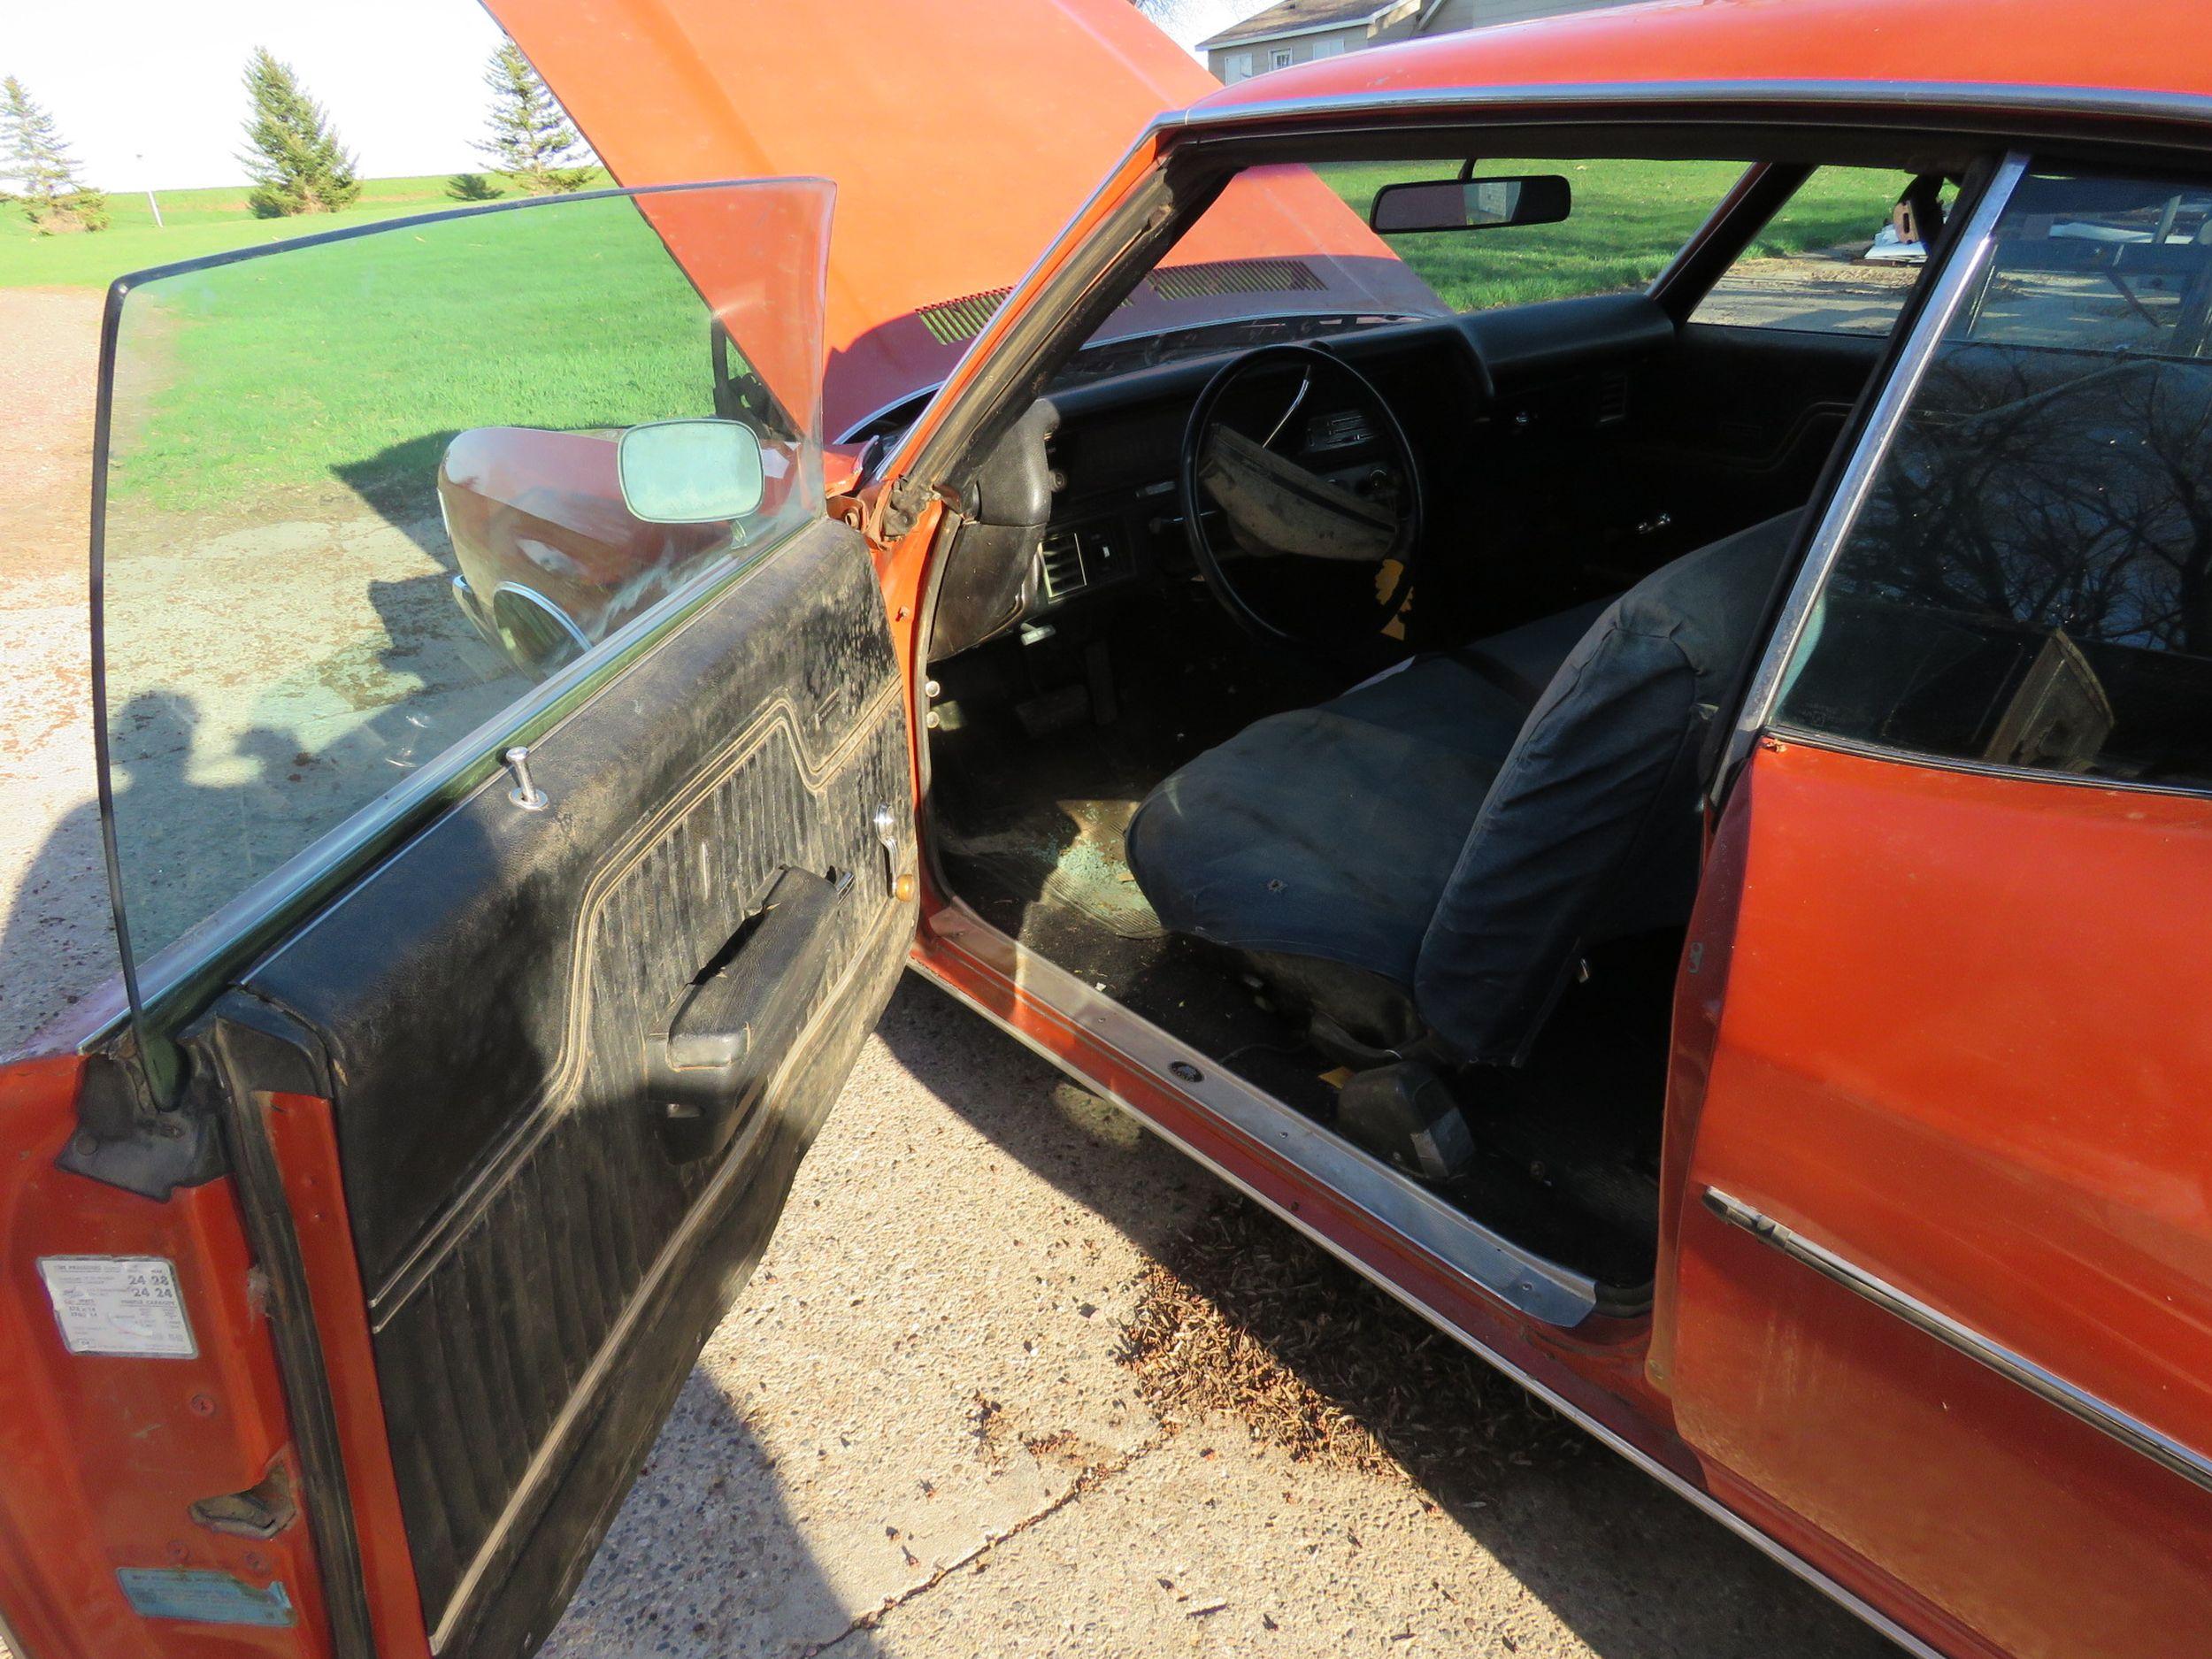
(1484, 398)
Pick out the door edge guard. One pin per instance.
(2132, 1432)
(1612, 1439)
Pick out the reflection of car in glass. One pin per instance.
(551, 557)
(550, 560)
(1656, 801)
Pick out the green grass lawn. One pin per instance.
(1628, 219)
(358, 360)
(196, 222)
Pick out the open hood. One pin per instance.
(962, 136)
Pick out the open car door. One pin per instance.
(481, 1006)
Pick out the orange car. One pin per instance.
(1641, 776)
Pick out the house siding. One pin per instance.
(1241, 60)
(1455, 15)
(1223, 60)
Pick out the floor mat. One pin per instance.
(1070, 850)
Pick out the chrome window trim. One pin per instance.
(2138, 1436)
(1947, 290)
(1523, 1281)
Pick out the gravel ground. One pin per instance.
(1014, 1377)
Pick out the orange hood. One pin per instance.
(961, 135)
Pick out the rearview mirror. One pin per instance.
(689, 471)
(1542, 198)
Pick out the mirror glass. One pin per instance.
(690, 471)
(1471, 204)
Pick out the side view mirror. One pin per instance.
(689, 471)
(1538, 198)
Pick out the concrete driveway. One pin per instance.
(1014, 1377)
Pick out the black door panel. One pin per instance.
(539, 1260)
(1735, 424)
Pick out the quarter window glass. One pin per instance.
(362, 500)
(1839, 258)
(2030, 582)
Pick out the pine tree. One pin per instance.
(532, 141)
(53, 196)
(296, 162)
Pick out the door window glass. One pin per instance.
(1838, 259)
(362, 500)
(2030, 582)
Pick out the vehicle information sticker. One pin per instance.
(203, 1598)
(119, 1304)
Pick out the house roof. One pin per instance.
(1297, 17)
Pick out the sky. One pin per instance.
(147, 92)
(161, 80)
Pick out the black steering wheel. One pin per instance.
(1330, 555)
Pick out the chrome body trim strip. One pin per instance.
(1961, 269)
(1819, 99)
(2138, 1436)
(1612, 1439)
(1523, 1281)
(1807, 738)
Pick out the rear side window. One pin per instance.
(1839, 258)
(2030, 582)
(364, 512)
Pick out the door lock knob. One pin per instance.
(525, 794)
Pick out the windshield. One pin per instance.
(1625, 221)
(1281, 251)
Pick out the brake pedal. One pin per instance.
(1405, 1115)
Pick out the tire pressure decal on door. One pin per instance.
(125, 1305)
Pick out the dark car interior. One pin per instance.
(1407, 843)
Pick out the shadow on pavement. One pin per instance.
(1607, 1548)
(704, 1557)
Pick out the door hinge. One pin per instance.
(883, 512)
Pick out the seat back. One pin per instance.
(1590, 830)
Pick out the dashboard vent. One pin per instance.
(1060, 562)
(1234, 276)
(1612, 399)
(950, 322)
